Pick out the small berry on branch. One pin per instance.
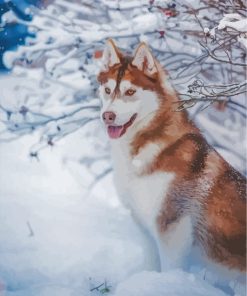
(98, 54)
(162, 34)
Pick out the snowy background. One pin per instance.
(63, 230)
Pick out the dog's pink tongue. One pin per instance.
(114, 132)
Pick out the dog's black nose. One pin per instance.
(109, 117)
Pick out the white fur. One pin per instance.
(143, 102)
(175, 244)
(143, 194)
(124, 110)
(146, 156)
(111, 84)
(124, 85)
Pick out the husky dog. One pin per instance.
(176, 185)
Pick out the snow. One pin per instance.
(243, 39)
(75, 237)
(233, 21)
(8, 16)
(130, 4)
(227, 135)
(172, 283)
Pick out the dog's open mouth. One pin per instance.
(116, 131)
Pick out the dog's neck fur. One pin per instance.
(163, 126)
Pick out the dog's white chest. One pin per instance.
(143, 194)
(147, 195)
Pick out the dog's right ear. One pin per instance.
(111, 55)
(144, 61)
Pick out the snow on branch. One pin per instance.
(202, 47)
(209, 94)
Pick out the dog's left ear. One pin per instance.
(144, 60)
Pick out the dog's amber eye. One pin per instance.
(130, 92)
(107, 90)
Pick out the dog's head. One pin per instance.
(129, 88)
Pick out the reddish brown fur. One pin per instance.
(219, 213)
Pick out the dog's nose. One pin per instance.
(109, 117)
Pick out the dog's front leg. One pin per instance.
(175, 243)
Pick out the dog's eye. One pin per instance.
(107, 90)
(130, 92)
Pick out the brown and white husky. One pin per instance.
(177, 186)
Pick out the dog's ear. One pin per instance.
(144, 61)
(111, 55)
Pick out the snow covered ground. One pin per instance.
(55, 240)
(59, 239)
